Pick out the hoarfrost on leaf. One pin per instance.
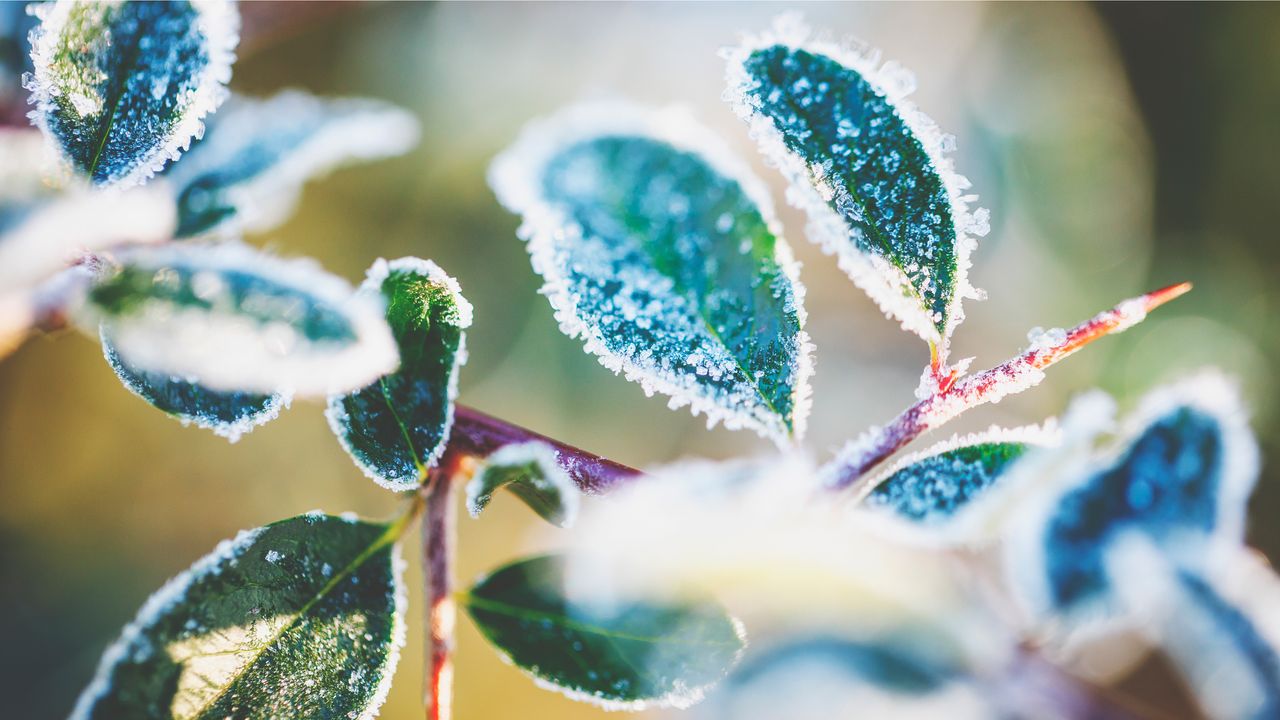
(122, 88)
(660, 251)
(532, 472)
(235, 319)
(246, 172)
(868, 167)
(257, 630)
(396, 427)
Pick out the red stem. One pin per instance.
(1013, 376)
(438, 548)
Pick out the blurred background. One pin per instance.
(1120, 148)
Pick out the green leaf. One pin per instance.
(660, 251)
(632, 655)
(247, 171)
(303, 618)
(531, 472)
(229, 414)
(868, 167)
(234, 319)
(122, 88)
(397, 427)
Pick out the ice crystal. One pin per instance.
(867, 166)
(122, 88)
(661, 252)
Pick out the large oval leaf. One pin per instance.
(245, 174)
(661, 253)
(303, 618)
(235, 319)
(229, 414)
(397, 427)
(532, 472)
(869, 169)
(633, 655)
(121, 88)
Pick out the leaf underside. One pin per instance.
(670, 272)
(666, 654)
(869, 167)
(935, 488)
(298, 619)
(397, 427)
(531, 472)
(121, 86)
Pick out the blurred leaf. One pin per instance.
(868, 168)
(247, 171)
(234, 319)
(302, 618)
(229, 414)
(660, 252)
(397, 427)
(122, 87)
(629, 656)
(531, 472)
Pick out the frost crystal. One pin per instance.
(122, 88)
(867, 166)
(235, 319)
(661, 252)
(246, 173)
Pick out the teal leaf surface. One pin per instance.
(229, 414)
(235, 319)
(303, 618)
(868, 167)
(247, 171)
(122, 88)
(532, 473)
(628, 657)
(660, 251)
(397, 426)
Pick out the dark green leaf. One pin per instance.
(661, 253)
(634, 654)
(531, 472)
(122, 87)
(397, 427)
(299, 619)
(869, 169)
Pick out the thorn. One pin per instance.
(1156, 298)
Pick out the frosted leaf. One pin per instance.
(1179, 475)
(643, 654)
(229, 414)
(932, 488)
(247, 171)
(532, 472)
(257, 630)
(235, 319)
(660, 251)
(397, 426)
(122, 88)
(869, 169)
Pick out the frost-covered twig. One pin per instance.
(479, 435)
(949, 399)
(438, 550)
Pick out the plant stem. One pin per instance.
(438, 548)
(479, 435)
(947, 401)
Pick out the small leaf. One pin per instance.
(235, 319)
(660, 251)
(303, 618)
(121, 88)
(397, 427)
(633, 656)
(532, 473)
(247, 171)
(868, 167)
(931, 488)
(1180, 477)
(229, 414)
